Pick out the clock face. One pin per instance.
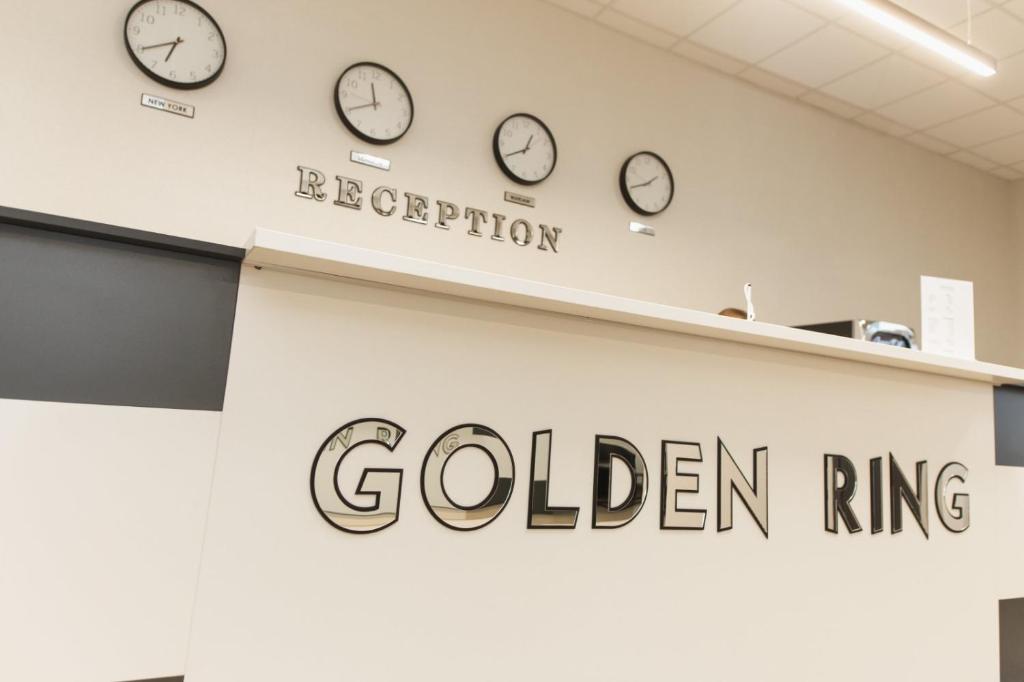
(175, 42)
(646, 183)
(525, 149)
(373, 103)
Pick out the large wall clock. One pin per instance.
(175, 42)
(525, 149)
(646, 183)
(373, 103)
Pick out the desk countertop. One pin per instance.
(279, 250)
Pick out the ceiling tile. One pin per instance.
(1005, 151)
(831, 104)
(936, 105)
(983, 126)
(770, 81)
(681, 18)
(995, 32)
(587, 8)
(708, 57)
(1008, 173)
(944, 13)
(637, 29)
(933, 144)
(882, 124)
(884, 81)
(823, 56)
(1007, 84)
(754, 29)
(973, 160)
(1015, 6)
(826, 9)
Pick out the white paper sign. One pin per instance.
(947, 317)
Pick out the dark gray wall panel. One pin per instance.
(1011, 640)
(1009, 412)
(110, 320)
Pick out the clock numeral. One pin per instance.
(172, 75)
(148, 18)
(211, 36)
(179, 10)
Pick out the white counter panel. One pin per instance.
(284, 595)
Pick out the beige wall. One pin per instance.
(102, 511)
(1017, 190)
(827, 219)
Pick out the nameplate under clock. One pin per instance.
(170, 106)
(370, 160)
(521, 199)
(640, 228)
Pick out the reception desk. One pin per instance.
(431, 472)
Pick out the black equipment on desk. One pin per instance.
(875, 331)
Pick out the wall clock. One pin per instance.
(175, 42)
(646, 183)
(373, 103)
(525, 149)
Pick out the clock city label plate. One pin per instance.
(170, 106)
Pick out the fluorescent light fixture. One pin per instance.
(911, 26)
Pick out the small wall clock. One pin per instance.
(373, 103)
(525, 149)
(646, 183)
(175, 42)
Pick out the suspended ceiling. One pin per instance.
(825, 55)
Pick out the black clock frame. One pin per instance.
(501, 161)
(351, 127)
(624, 188)
(166, 81)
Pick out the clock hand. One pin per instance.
(149, 47)
(373, 91)
(523, 150)
(171, 51)
(362, 106)
(644, 184)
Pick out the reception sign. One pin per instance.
(414, 486)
